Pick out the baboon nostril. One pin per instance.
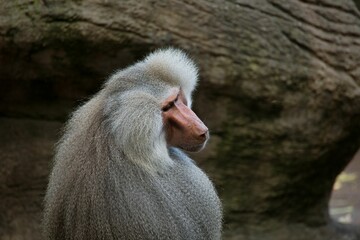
(204, 136)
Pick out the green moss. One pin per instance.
(254, 67)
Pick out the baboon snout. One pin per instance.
(200, 132)
(184, 129)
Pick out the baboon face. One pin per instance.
(183, 127)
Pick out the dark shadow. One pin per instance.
(357, 3)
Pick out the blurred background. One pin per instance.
(279, 90)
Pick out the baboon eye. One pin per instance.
(168, 106)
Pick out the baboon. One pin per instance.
(120, 171)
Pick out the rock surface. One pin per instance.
(26, 147)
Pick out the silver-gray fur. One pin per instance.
(114, 177)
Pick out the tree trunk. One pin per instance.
(279, 91)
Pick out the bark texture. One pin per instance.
(279, 90)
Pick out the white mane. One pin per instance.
(174, 66)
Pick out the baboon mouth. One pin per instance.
(193, 148)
